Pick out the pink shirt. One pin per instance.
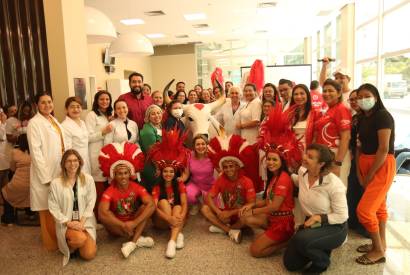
(202, 172)
(136, 107)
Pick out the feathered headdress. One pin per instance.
(170, 152)
(217, 75)
(125, 153)
(277, 136)
(257, 75)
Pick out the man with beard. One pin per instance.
(180, 87)
(137, 102)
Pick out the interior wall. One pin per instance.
(140, 64)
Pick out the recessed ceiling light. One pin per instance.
(205, 32)
(155, 35)
(132, 21)
(195, 16)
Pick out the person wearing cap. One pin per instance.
(236, 189)
(341, 75)
(125, 206)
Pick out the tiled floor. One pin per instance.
(204, 253)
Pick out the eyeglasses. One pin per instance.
(72, 161)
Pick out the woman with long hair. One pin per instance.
(71, 202)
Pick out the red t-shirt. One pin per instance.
(282, 186)
(124, 204)
(329, 126)
(170, 192)
(136, 107)
(318, 103)
(235, 194)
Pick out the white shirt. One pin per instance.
(119, 132)
(329, 197)
(60, 202)
(4, 163)
(12, 128)
(251, 112)
(77, 138)
(95, 124)
(300, 130)
(228, 118)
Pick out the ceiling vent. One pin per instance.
(182, 36)
(200, 26)
(266, 5)
(154, 13)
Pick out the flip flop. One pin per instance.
(364, 260)
(364, 248)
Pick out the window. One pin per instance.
(395, 39)
(366, 41)
(366, 73)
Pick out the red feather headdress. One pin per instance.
(217, 75)
(277, 136)
(170, 152)
(257, 75)
(125, 153)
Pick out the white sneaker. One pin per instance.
(171, 249)
(127, 248)
(145, 242)
(215, 229)
(180, 241)
(194, 210)
(235, 235)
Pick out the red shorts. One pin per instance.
(280, 228)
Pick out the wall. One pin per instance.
(96, 68)
(177, 62)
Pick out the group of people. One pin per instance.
(325, 162)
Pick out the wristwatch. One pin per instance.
(338, 163)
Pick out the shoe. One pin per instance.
(364, 248)
(171, 249)
(364, 260)
(127, 248)
(235, 235)
(180, 241)
(215, 229)
(147, 242)
(194, 210)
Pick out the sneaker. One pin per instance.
(180, 241)
(171, 249)
(194, 210)
(127, 248)
(215, 229)
(235, 235)
(145, 242)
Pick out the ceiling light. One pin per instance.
(195, 16)
(155, 35)
(132, 21)
(205, 32)
(99, 28)
(131, 43)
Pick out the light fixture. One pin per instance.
(99, 27)
(205, 32)
(195, 16)
(155, 35)
(131, 43)
(132, 21)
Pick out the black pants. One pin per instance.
(8, 215)
(314, 245)
(354, 194)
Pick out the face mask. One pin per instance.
(177, 113)
(366, 103)
(136, 90)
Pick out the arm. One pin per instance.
(68, 137)
(271, 207)
(106, 216)
(91, 198)
(109, 138)
(162, 214)
(323, 71)
(149, 208)
(91, 124)
(342, 150)
(184, 205)
(383, 136)
(185, 175)
(53, 205)
(13, 160)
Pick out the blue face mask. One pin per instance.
(366, 103)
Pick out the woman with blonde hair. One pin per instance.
(228, 114)
(71, 202)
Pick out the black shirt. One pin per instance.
(368, 127)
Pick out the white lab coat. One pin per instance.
(94, 125)
(119, 133)
(252, 111)
(46, 152)
(60, 202)
(228, 119)
(76, 137)
(4, 163)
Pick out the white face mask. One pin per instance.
(366, 103)
(177, 113)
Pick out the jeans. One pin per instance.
(314, 245)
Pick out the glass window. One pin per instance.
(396, 34)
(366, 41)
(366, 73)
(327, 47)
(366, 10)
(387, 4)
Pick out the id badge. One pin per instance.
(76, 216)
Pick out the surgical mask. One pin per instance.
(366, 103)
(177, 113)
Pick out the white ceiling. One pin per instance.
(229, 19)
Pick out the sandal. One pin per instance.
(364, 248)
(364, 260)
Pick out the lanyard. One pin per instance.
(76, 214)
